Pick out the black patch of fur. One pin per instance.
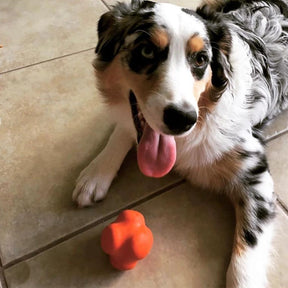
(244, 154)
(221, 42)
(241, 203)
(265, 211)
(189, 11)
(250, 238)
(257, 132)
(198, 73)
(107, 46)
(262, 213)
(162, 56)
(231, 6)
(142, 65)
(259, 229)
(192, 13)
(258, 197)
(260, 167)
(147, 5)
(253, 176)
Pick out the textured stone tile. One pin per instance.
(193, 235)
(278, 276)
(279, 124)
(1, 280)
(277, 152)
(183, 3)
(52, 126)
(33, 31)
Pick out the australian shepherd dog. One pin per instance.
(193, 89)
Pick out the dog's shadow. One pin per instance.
(82, 263)
(91, 264)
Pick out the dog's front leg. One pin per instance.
(94, 181)
(255, 211)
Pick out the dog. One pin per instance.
(194, 89)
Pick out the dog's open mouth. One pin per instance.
(138, 118)
(156, 152)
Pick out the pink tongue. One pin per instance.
(156, 153)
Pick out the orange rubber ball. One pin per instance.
(127, 240)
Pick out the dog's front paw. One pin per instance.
(92, 185)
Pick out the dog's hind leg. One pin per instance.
(255, 211)
(94, 181)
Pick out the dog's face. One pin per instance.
(168, 68)
(160, 56)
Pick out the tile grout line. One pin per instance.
(55, 58)
(276, 135)
(93, 224)
(46, 61)
(3, 280)
(103, 1)
(267, 140)
(282, 205)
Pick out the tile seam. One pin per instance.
(93, 224)
(46, 61)
(55, 58)
(103, 1)
(276, 135)
(282, 206)
(3, 280)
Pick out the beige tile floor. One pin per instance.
(52, 123)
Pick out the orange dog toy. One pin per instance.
(127, 240)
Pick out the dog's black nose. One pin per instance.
(179, 121)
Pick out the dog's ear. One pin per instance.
(109, 36)
(221, 42)
(113, 26)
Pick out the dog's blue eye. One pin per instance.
(147, 52)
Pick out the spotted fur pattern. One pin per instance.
(228, 62)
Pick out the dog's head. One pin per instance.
(167, 60)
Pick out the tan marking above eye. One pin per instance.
(160, 38)
(195, 44)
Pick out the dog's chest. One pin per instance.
(203, 168)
